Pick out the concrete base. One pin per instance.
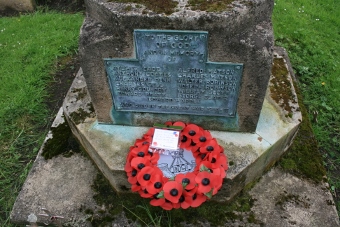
(63, 186)
(249, 154)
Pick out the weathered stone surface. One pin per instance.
(249, 154)
(282, 199)
(242, 34)
(61, 185)
(9, 6)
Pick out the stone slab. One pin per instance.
(63, 186)
(242, 34)
(282, 199)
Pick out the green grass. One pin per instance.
(310, 31)
(30, 46)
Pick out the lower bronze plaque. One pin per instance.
(171, 74)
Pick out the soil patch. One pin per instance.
(67, 69)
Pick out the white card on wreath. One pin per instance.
(165, 139)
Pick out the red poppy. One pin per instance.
(217, 184)
(132, 176)
(156, 183)
(200, 157)
(187, 180)
(179, 123)
(149, 133)
(197, 155)
(198, 199)
(205, 181)
(128, 167)
(139, 163)
(176, 205)
(167, 205)
(192, 131)
(204, 138)
(130, 156)
(142, 142)
(223, 173)
(209, 181)
(144, 193)
(185, 142)
(139, 151)
(132, 180)
(224, 161)
(144, 176)
(218, 171)
(135, 188)
(194, 147)
(153, 157)
(190, 192)
(214, 161)
(185, 201)
(168, 123)
(157, 201)
(210, 146)
(172, 191)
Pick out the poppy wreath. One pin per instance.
(186, 190)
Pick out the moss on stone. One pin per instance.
(80, 115)
(291, 198)
(280, 87)
(157, 6)
(81, 93)
(211, 6)
(303, 157)
(214, 212)
(62, 142)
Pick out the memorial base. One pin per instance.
(249, 154)
(67, 186)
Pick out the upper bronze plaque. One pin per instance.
(171, 74)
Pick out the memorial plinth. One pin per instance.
(187, 42)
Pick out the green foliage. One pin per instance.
(30, 46)
(303, 157)
(309, 30)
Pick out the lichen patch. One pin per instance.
(281, 90)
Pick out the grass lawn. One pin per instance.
(30, 46)
(310, 31)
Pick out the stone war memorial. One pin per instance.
(207, 69)
(213, 74)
